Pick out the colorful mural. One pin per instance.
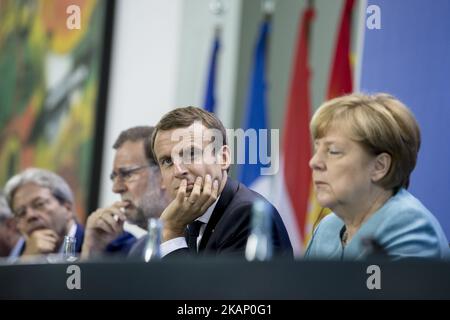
(49, 89)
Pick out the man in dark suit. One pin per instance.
(190, 146)
(136, 178)
(42, 203)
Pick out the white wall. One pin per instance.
(144, 72)
(161, 52)
(197, 33)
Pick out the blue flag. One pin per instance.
(210, 96)
(256, 109)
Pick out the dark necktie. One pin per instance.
(193, 232)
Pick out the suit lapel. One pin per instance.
(79, 235)
(226, 196)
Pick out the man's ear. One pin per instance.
(382, 164)
(69, 207)
(12, 224)
(224, 157)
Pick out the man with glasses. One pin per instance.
(42, 203)
(136, 178)
(209, 213)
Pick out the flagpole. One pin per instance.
(217, 9)
(268, 8)
(310, 7)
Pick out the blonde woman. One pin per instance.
(365, 148)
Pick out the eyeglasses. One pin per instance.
(126, 175)
(39, 204)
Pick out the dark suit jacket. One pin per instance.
(121, 245)
(229, 226)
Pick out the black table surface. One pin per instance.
(224, 279)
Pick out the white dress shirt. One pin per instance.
(180, 242)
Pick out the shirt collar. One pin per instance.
(207, 215)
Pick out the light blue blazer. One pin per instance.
(403, 227)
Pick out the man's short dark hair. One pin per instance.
(135, 134)
(184, 117)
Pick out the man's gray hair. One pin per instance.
(43, 178)
(5, 211)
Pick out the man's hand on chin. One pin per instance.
(41, 241)
(186, 208)
(102, 227)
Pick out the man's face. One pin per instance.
(185, 154)
(137, 183)
(36, 208)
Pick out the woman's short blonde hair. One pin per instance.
(380, 123)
